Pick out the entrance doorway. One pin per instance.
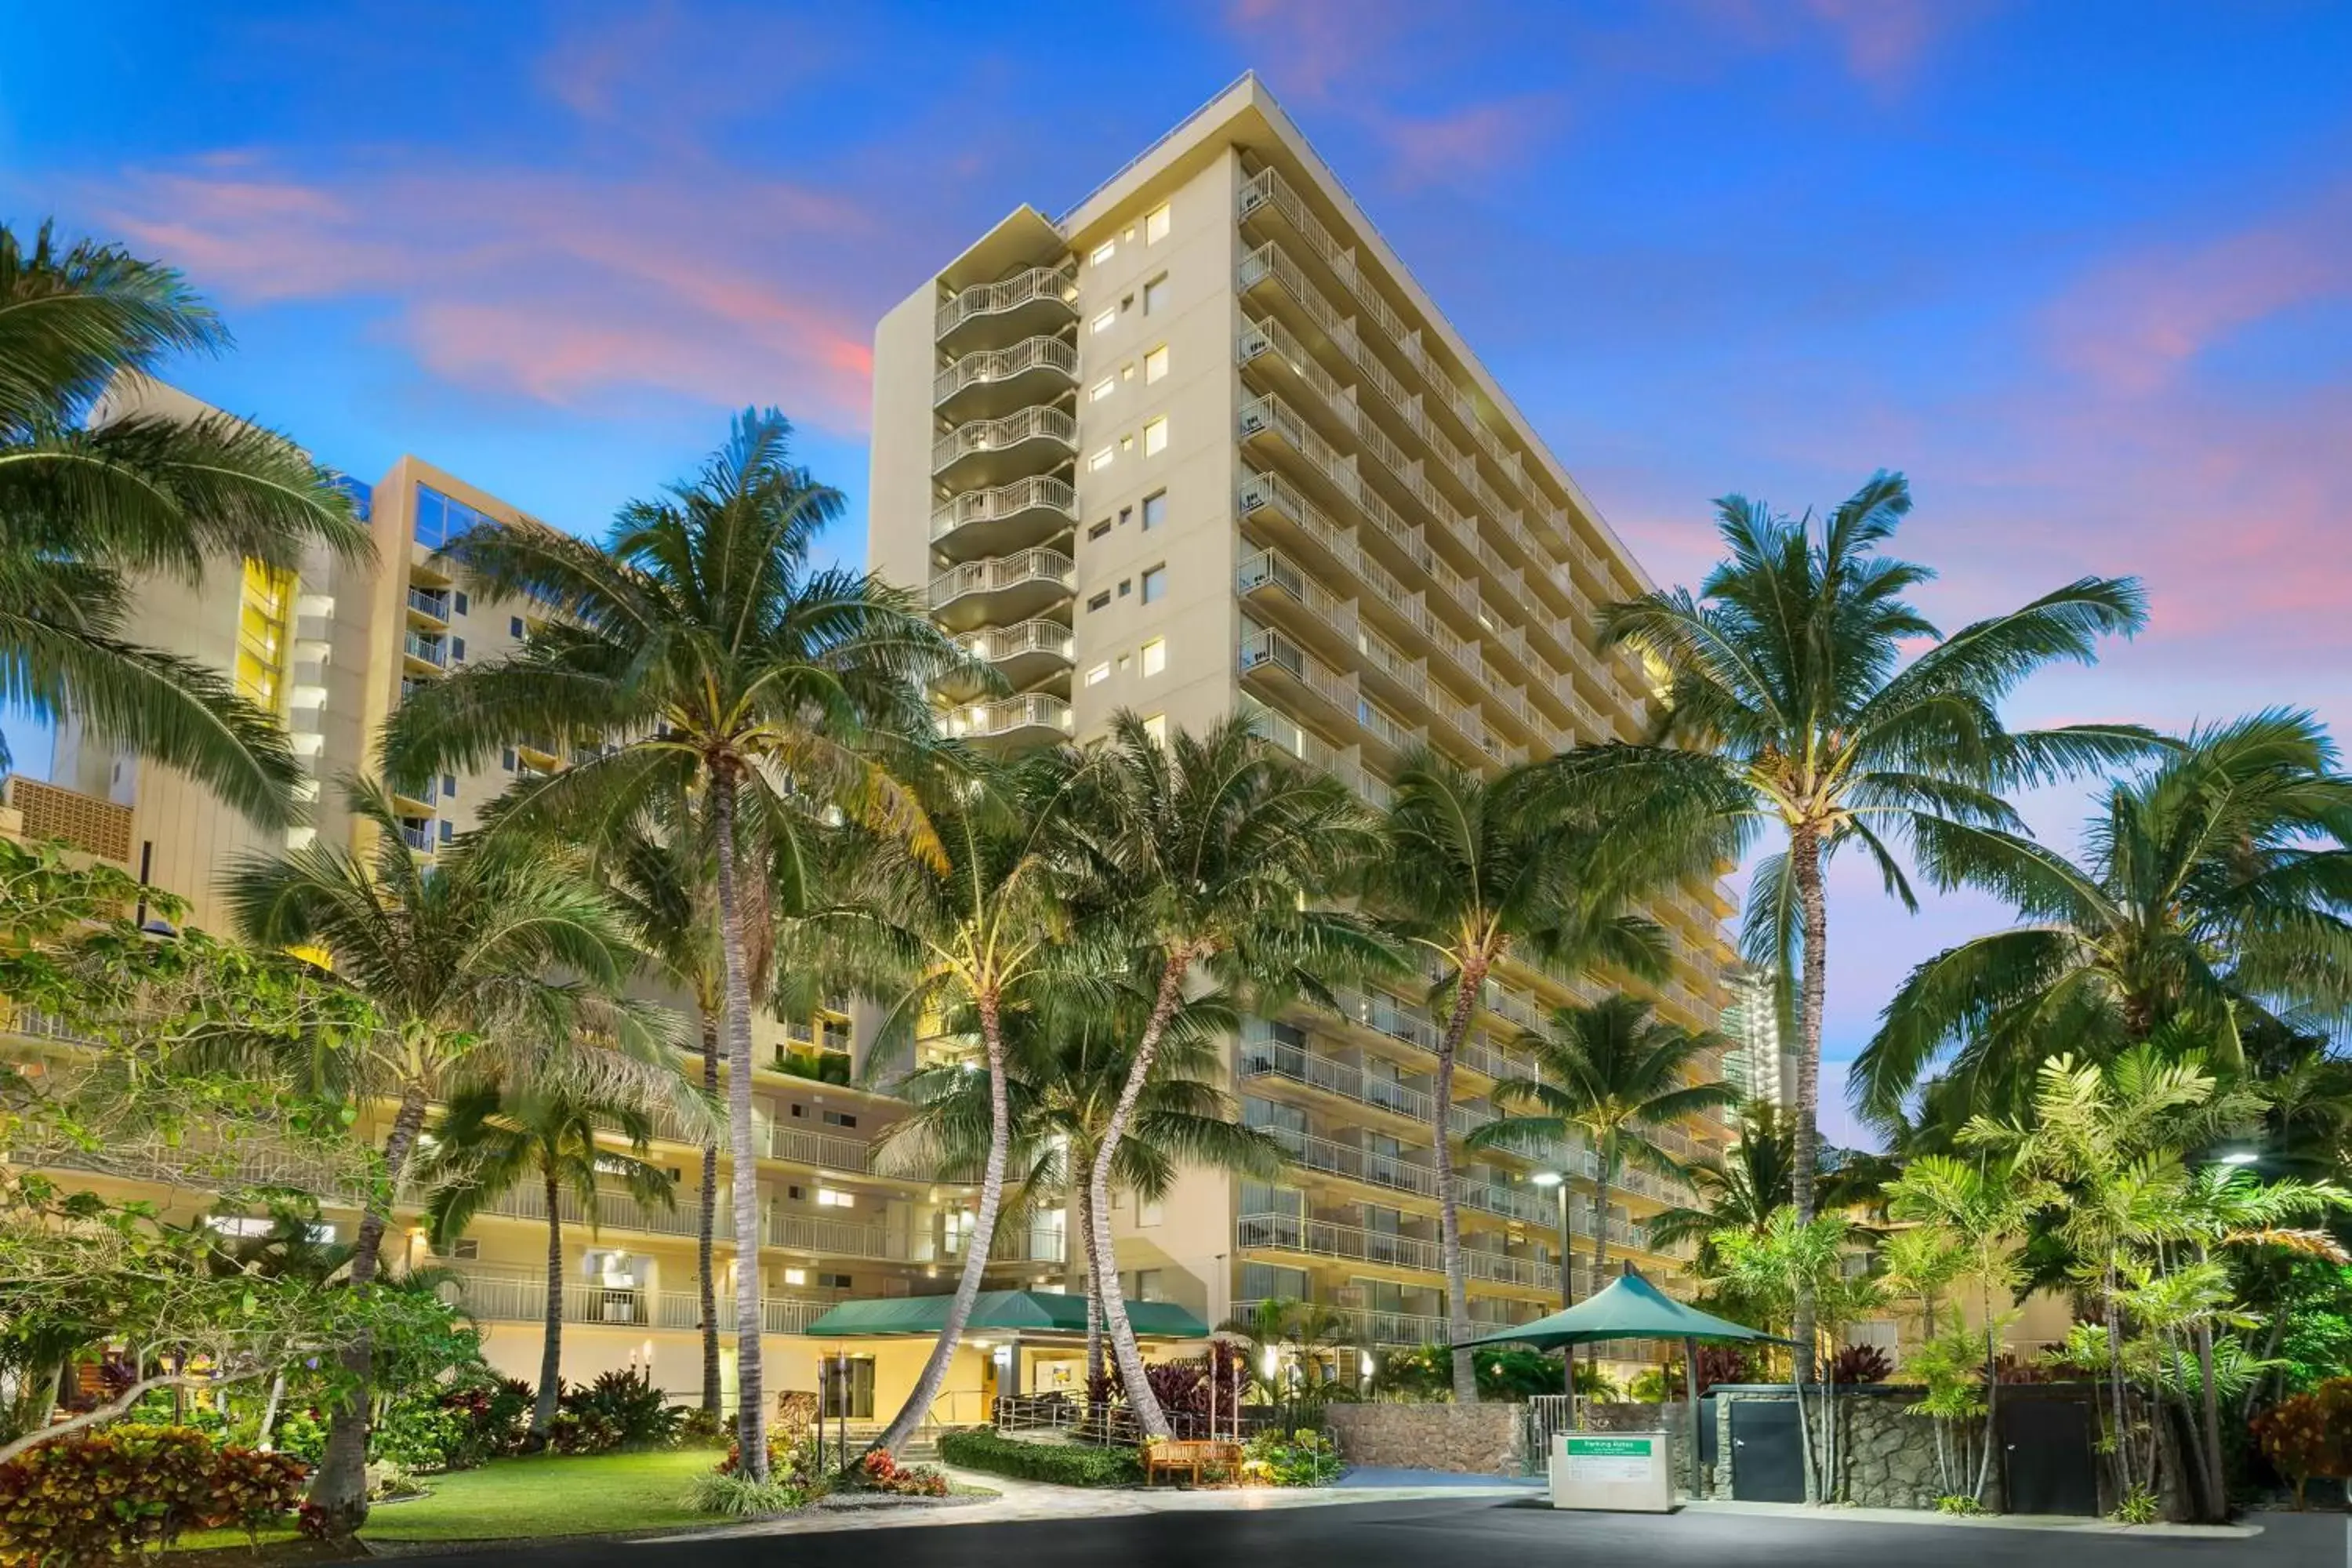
(1768, 1457)
(846, 1389)
(2046, 1465)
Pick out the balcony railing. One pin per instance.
(419, 838)
(983, 720)
(1000, 572)
(1039, 492)
(1052, 426)
(1398, 1174)
(1050, 354)
(1325, 1238)
(996, 644)
(1269, 570)
(1266, 649)
(1037, 284)
(1264, 1054)
(433, 601)
(432, 650)
(844, 1238)
(1282, 731)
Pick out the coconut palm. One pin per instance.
(1472, 871)
(2214, 890)
(1613, 1074)
(491, 1138)
(1738, 1189)
(715, 664)
(84, 510)
(483, 962)
(1207, 854)
(1790, 702)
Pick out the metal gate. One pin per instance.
(2046, 1465)
(1549, 1415)
(1767, 1459)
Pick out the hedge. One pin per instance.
(1065, 1464)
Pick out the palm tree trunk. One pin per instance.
(339, 1490)
(706, 1226)
(750, 1395)
(1140, 1401)
(1085, 1217)
(1992, 1397)
(1449, 1211)
(1600, 1235)
(1805, 864)
(550, 1344)
(2211, 1402)
(269, 1410)
(977, 1242)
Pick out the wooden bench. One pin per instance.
(1188, 1457)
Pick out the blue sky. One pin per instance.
(2083, 271)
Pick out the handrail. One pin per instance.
(1034, 710)
(1049, 424)
(986, 365)
(1059, 284)
(998, 501)
(1002, 572)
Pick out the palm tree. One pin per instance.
(1790, 702)
(1738, 1189)
(718, 666)
(1472, 871)
(480, 964)
(2214, 890)
(1614, 1074)
(974, 921)
(491, 1138)
(1207, 853)
(84, 510)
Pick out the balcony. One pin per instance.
(417, 836)
(1025, 654)
(1284, 732)
(1038, 299)
(1275, 659)
(1321, 616)
(426, 649)
(1368, 1326)
(1008, 516)
(613, 1210)
(1002, 589)
(1264, 1054)
(989, 452)
(1031, 719)
(827, 1151)
(431, 605)
(991, 380)
(1325, 1238)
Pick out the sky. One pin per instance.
(2082, 270)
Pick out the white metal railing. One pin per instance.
(1267, 649)
(1000, 572)
(430, 601)
(1035, 711)
(1055, 283)
(843, 1239)
(416, 837)
(1327, 1238)
(432, 650)
(997, 644)
(1386, 728)
(1266, 1054)
(1271, 569)
(613, 1211)
(1002, 364)
(1041, 424)
(1280, 729)
(829, 1150)
(1259, 491)
(1038, 492)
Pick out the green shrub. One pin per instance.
(700, 1428)
(422, 1436)
(100, 1496)
(621, 1409)
(1305, 1457)
(1064, 1464)
(740, 1496)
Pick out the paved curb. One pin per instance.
(2059, 1523)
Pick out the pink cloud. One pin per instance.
(1882, 40)
(1446, 147)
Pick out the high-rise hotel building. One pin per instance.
(1203, 446)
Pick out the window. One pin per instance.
(440, 518)
(1098, 674)
(1098, 530)
(1155, 585)
(507, 759)
(1147, 1285)
(1101, 390)
(1103, 252)
(841, 1282)
(1155, 728)
(840, 1119)
(1125, 587)
(1100, 460)
(449, 785)
(1127, 443)
(1103, 319)
(461, 600)
(1099, 600)
(514, 625)
(458, 650)
(1155, 225)
(1155, 510)
(1155, 363)
(1149, 1211)
(1155, 295)
(1155, 657)
(448, 830)
(800, 1277)
(835, 1199)
(1155, 439)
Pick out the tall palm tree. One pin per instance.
(1207, 853)
(491, 1138)
(1789, 699)
(719, 665)
(1738, 1189)
(84, 510)
(974, 921)
(2215, 890)
(1617, 1075)
(483, 962)
(1472, 871)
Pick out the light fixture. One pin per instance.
(1269, 1361)
(1546, 1178)
(2239, 1157)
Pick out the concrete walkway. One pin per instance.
(2067, 1523)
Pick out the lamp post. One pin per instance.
(1559, 1180)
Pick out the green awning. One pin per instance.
(1630, 1308)
(999, 1312)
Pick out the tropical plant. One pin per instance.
(714, 663)
(491, 1138)
(1207, 853)
(2214, 891)
(1788, 702)
(86, 507)
(1472, 871)
(486, 962)
(1737, 1189)
(1302, 1348)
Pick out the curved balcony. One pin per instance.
(993, 451)
(1027, 654)
(1018, 721)
(990, 381)
(1006, 517)
(1003, 590)
(1027, 303)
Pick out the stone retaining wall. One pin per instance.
(1473, 1439)
(1886, 1455)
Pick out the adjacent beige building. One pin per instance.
(1202, 446)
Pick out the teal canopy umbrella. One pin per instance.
(1634, 1309)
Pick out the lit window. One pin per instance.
(1103, 252)
(1098, 674)
(1155, 294)
(1101, 390)
(1155, 510)
(1127, 443)
(833, 1198)
(1155, 225)
(1155, 363)
(1155, 728)
(1099, 461)
(1155, 436)
(1149, 1211)
(1102, 321)
(795, 1275)
(1155, 657)
(1155, 585)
